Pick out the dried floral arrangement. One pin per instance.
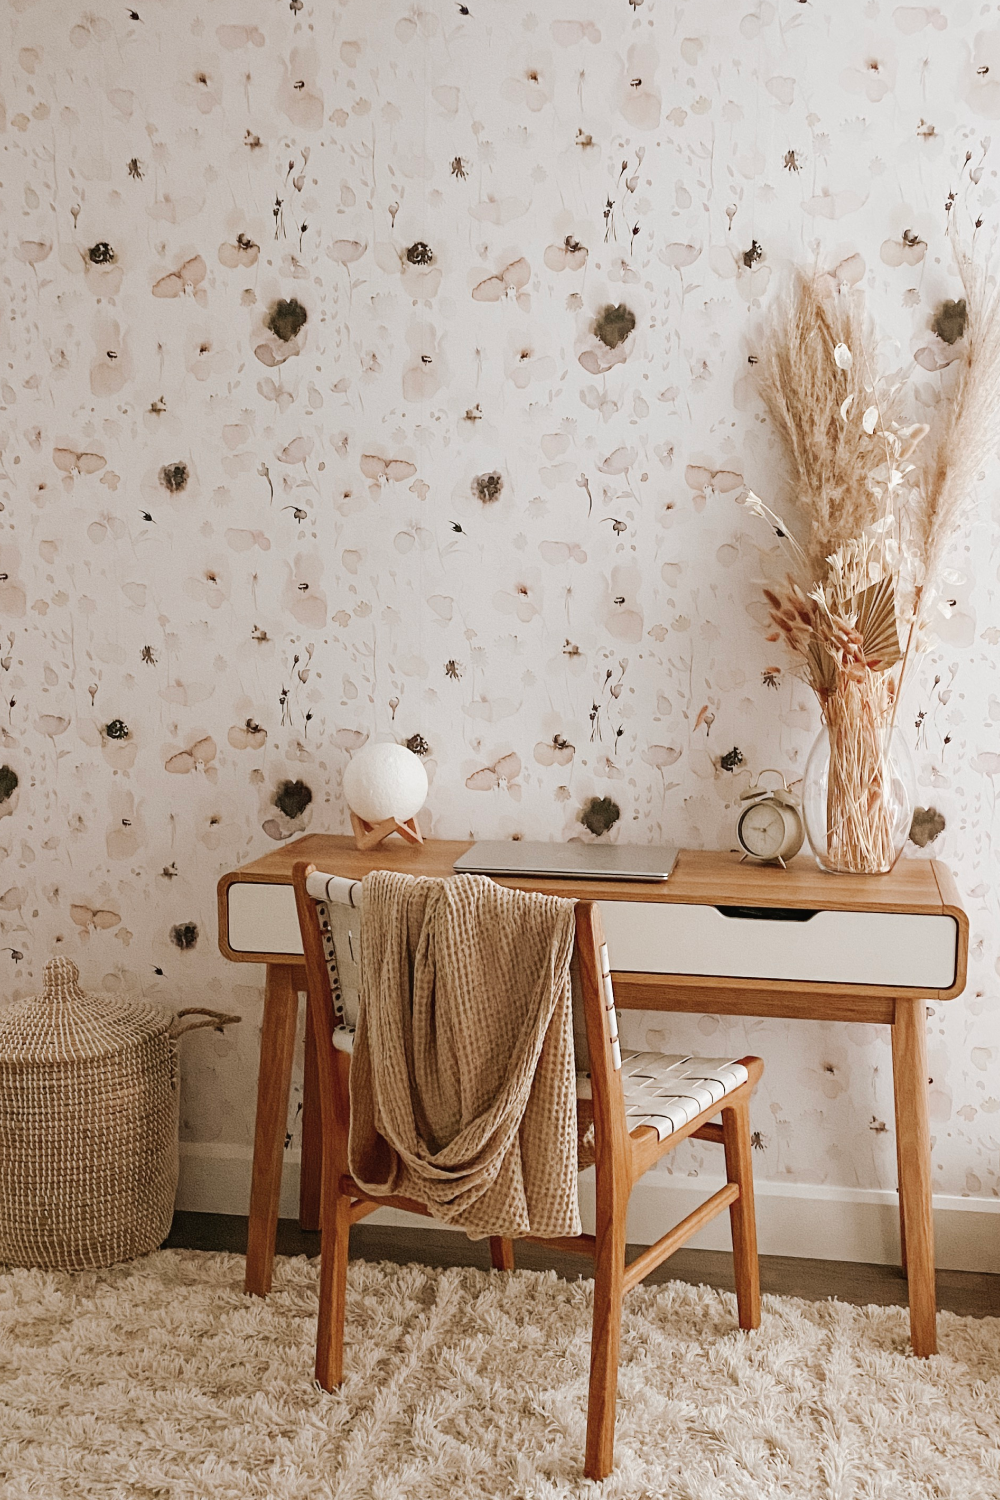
(878, 501)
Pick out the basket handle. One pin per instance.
(217, 1019)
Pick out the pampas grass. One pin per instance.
(879, 507)
(968, 431)
(814, 375)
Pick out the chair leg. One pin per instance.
(742, 1217)
(336, 1216)
(501, 1253)
(609, 1277)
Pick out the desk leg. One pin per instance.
(899, 1194)
(277, 1045)
(909, 1068)
(312, 1136)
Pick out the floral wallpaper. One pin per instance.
(387, 369)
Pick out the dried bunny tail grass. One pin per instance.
(830, 647)
(806, 392)
(971, 426)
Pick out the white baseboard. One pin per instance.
(800, 1219)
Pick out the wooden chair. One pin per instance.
(642, 1106)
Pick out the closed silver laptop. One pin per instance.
(573, 861)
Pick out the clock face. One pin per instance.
(761, 830)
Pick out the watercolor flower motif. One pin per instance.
(485, 495)
(211, 586)
(93, 918)
(299, 95)
(708, 483)
(241, 252)
(202, 356)
(379, 472)
(427, 370)
(874, 76)
(290, 810)
(118, 742)
(186, 279)
(523, 364)
(346, 252)
(198, 756)
(524, 599)
(746, 266)
(513, 277)
(33, 252)
(554, 752)
(639, 97)
(175, 480)
(623, 272)
(9, 795)
(285, 330)
(948, 324)
(417, 264)
(908, 250)
(610, 339)
(569, 256)
(500, 776)
(102, 269)
(247, 736)
(203, 89)
(846, 274)
(217, 824)
(532, 82)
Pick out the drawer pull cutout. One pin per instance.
(769, 913)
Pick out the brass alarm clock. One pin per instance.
(771, 829)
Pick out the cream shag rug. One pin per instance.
(160, 1380)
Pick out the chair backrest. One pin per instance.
(337, 904)
(330, 910)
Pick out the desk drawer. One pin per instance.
(263, 918)
(828, 947)
(821, 947)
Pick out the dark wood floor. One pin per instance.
(974, 1294)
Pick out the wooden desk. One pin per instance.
(754, 941)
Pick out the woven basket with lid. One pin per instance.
(89, 1095)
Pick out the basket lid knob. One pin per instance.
(61, 977)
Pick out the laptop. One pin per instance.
(513, 857)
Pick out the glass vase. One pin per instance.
(857, 794)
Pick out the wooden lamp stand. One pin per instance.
(370, 835)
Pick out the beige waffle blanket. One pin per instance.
(463, 1086)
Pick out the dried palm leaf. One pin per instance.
(875, 621)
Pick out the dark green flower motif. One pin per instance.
(174, 477)
(614, 324)
(600, 814)
(927, 824)
(292, 798)
(286, 319)
(488, 487)
(949, 321)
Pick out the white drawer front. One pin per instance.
(832, 947)
(263, 919)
